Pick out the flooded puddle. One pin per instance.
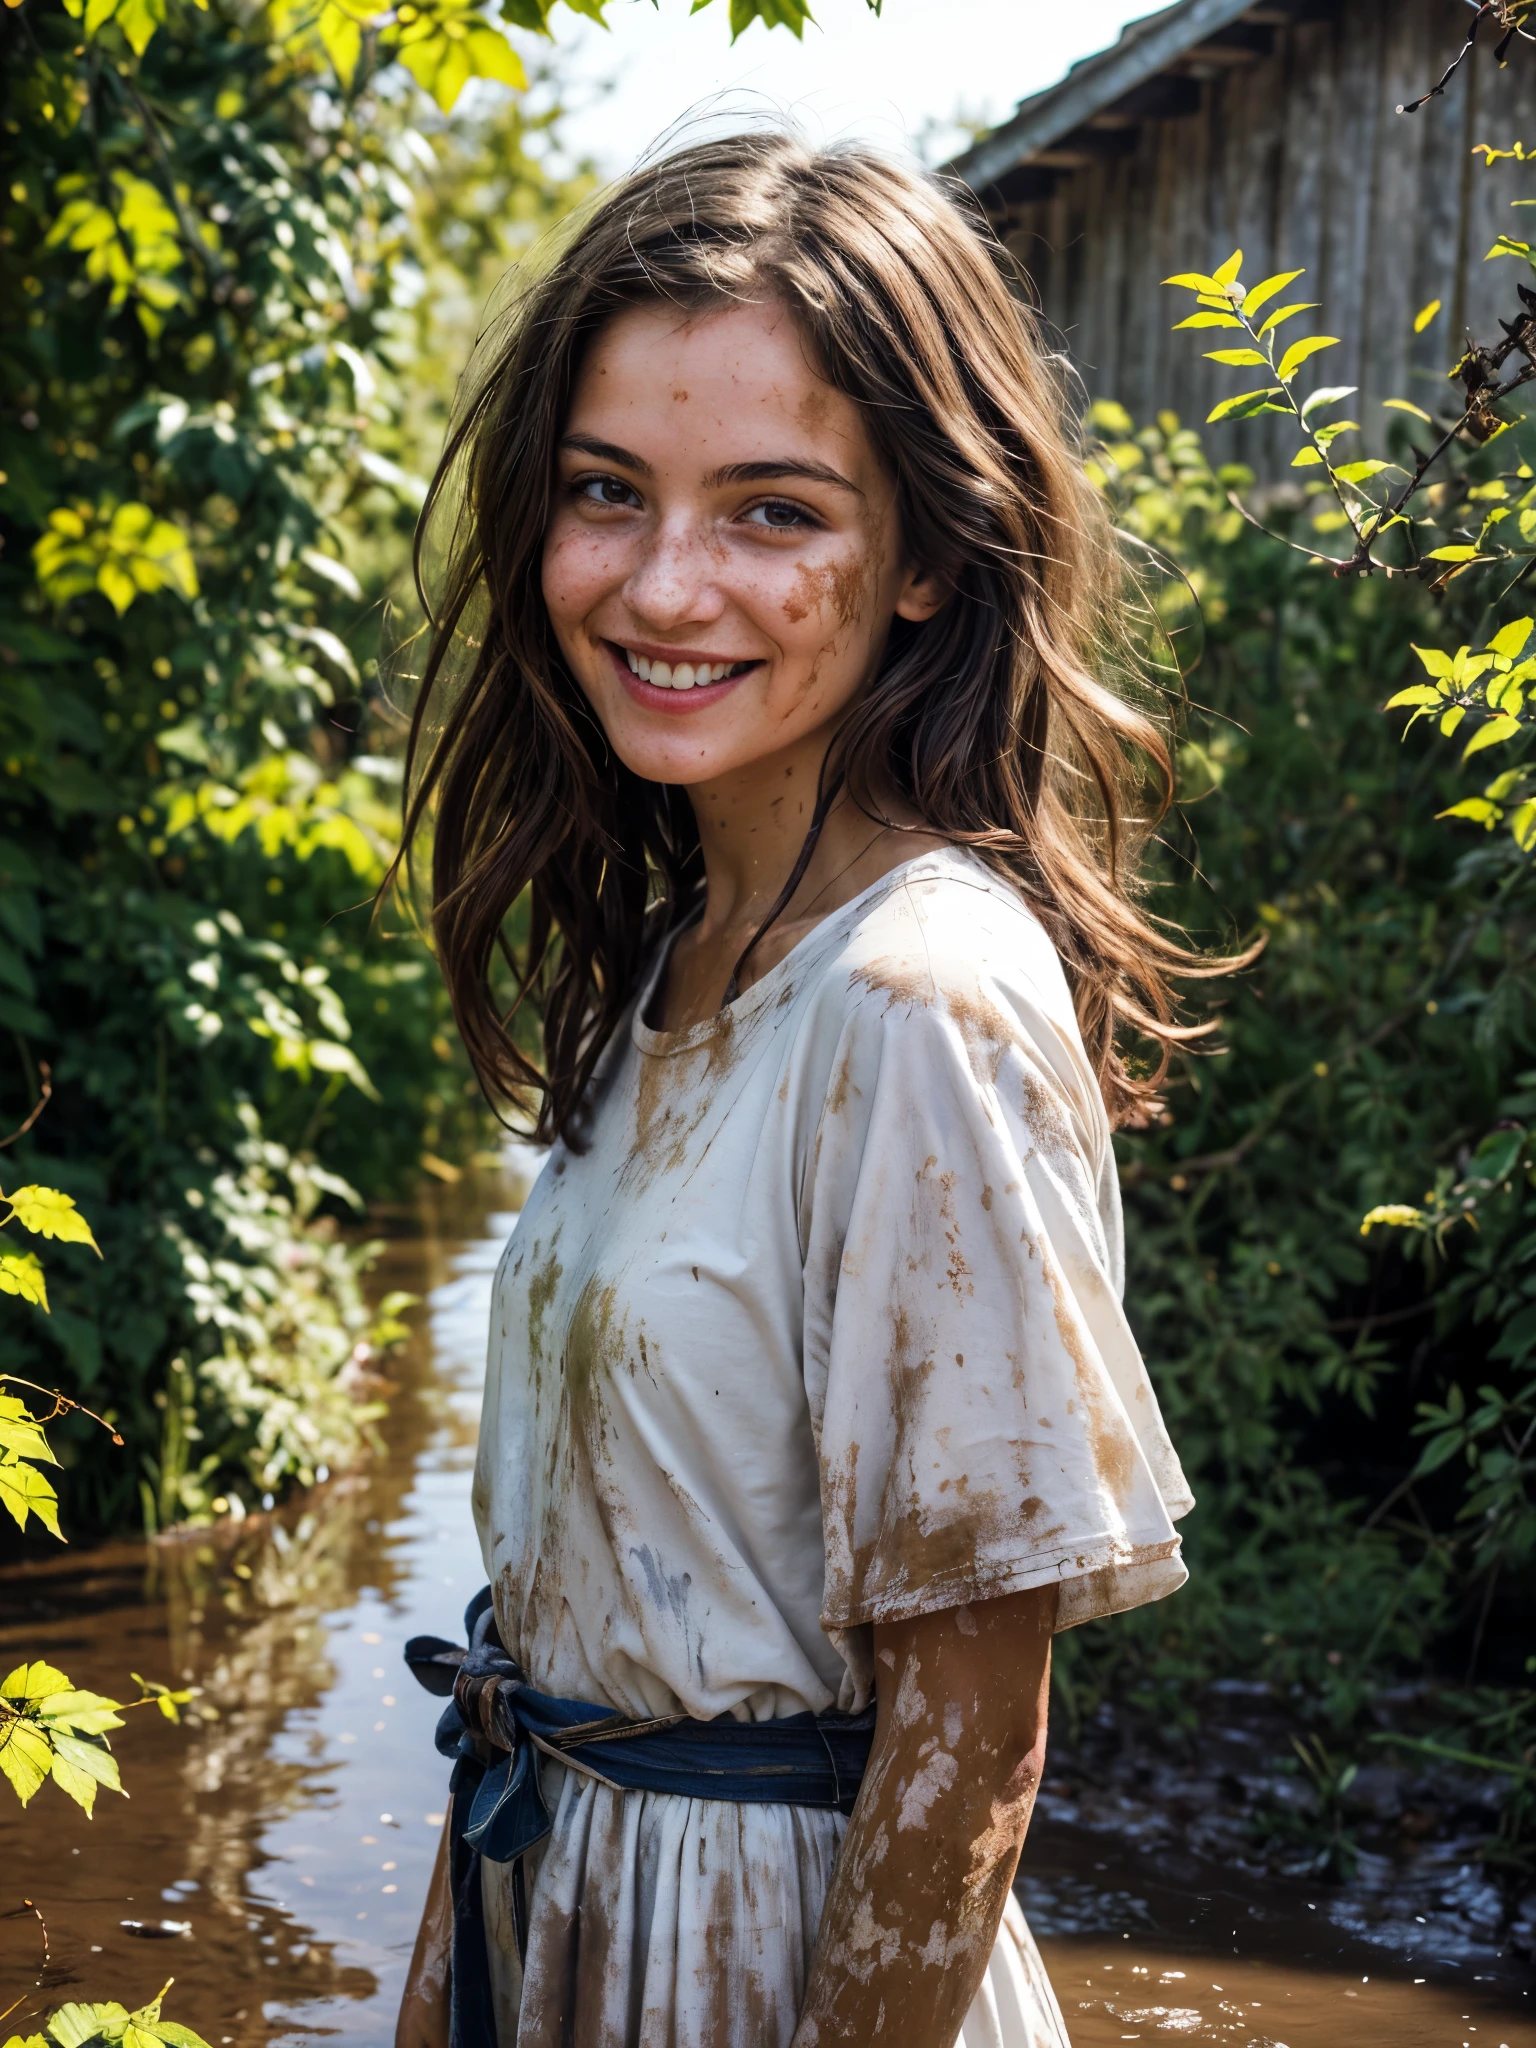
(273, 1860)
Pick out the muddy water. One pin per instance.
(273, 1856)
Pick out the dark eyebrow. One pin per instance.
(605, 451)
(770, 472)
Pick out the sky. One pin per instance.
(902, 79)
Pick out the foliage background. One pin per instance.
(1354, 1408)
(224, 369)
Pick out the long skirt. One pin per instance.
(656, 1921)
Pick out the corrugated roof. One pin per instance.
(1103, 98)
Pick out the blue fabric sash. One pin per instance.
(495, 1725)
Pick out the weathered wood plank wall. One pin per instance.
(1300, 160)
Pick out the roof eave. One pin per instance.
(1092, 86)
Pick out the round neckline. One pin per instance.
(665, 1044)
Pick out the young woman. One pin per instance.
(762, 736)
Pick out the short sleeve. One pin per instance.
(985, 1422)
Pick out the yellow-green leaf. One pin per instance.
(1498, 729)
(1522, 822)
(116, 586)
(1306, 458)
(93, 1759)
(26, 1755)
(1208, 320)
(1416, 693)
(74, 2026)
(1325, 394)
(1475, 808)
(1261, 293)
(1227, 272)
(1398, 1213)
(1238, 358)
(24, 1438)
(1406, 405)
(80, 1713)
(24, 1491)
(1357, 472)
(1244, 403)
(22, 1273)
(1425, 314)
(1300, 351)
(1195, 281)
(47, 1212)
(76, 1784)
(36, 1681)
(138, 20)
(1510, 639)
(1452, 719)
(341, 37)
(1452, 554)
(1283, 313)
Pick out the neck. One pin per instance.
(753, 825)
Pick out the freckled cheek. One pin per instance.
(580, 569)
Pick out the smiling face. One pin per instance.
(725, 557)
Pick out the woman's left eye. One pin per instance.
(606, 490)
(779, 515)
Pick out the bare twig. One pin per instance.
(1484, 9)
(62, 1405)
(45, 1092)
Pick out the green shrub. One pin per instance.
(1383, 1032)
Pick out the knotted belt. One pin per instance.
(496, 1724)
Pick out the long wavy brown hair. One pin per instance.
(995, 721)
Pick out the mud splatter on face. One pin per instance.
(841, 588)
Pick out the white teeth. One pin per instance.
(687, 675)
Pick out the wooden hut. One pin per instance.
(1219, 124)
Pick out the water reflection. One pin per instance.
(293, 1830)
(293, 1825)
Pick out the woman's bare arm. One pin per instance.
(924, 1870)
(423, 2021)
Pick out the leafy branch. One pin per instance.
(1222, 300)
(112, 2026)
(50, 1728)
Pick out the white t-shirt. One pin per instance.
(822, 1328)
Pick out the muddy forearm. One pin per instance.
(924, 1870)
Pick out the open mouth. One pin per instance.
(681, 675)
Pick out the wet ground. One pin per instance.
(273, 1856)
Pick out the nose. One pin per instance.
(675, 580)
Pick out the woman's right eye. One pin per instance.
(606, 490)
